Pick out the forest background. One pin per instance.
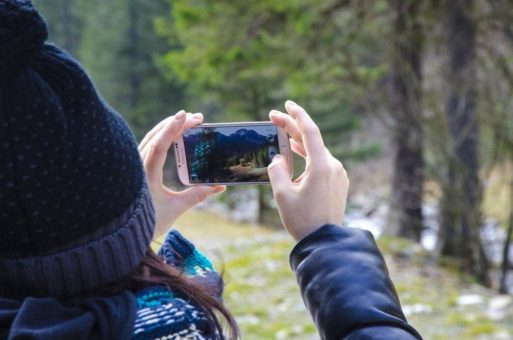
(414, 96)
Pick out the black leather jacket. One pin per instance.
(345, 284)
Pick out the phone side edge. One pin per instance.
(181, 162)
(229, 124)
(284, 144)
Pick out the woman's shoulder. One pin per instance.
(179, 252)
(165, 313)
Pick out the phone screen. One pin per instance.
(230, 154)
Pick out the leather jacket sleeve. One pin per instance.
(346, 287)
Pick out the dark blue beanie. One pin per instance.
(75, 210)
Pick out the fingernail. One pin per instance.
(290, 102)
(275, 112)
(197, 115)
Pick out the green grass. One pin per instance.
(262, 293)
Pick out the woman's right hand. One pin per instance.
(318, 196)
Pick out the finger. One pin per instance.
(150, 135)
(287, 123)
(156, 156)
(144, 152)
(155, 130)
(297, 148)
(153, 172)
(279, 176)
(191, 120)
(290, 126)
(300, 178)
(312, 139)
(197, 194)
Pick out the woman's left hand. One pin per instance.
(169, 204)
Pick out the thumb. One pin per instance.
(279, 174)
(197, 194)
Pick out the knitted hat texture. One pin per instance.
(75, 210)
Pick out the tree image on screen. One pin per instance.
(207, 164)
(240, 156)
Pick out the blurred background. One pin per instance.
(414, 96)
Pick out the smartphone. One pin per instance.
(230, 153)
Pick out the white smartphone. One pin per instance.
(230, 153)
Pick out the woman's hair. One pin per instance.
(154, 271)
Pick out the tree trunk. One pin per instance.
(461, 201)
(267, 215)
(503, 289)
(407, 179)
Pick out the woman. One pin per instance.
(78, 210)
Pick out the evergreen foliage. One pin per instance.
(241, 59)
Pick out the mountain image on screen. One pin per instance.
(241, 156)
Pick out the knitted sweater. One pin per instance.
(165, 314)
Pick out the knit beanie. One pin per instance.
(75, 209)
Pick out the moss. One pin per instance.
(452, 299)
(459, 319)
(481, 328)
